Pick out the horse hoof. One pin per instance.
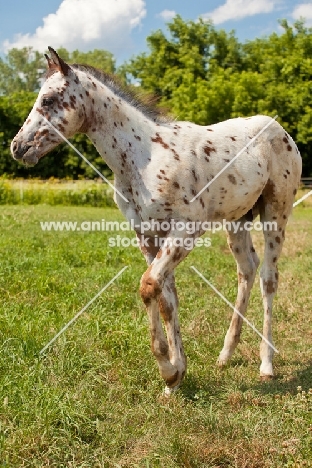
(221, 363)
(170, 390)
(266, 378)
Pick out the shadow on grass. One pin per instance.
(200, 390)
(302, 377)
(196, 389)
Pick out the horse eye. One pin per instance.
(47, 101)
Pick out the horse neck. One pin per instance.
(120, 132)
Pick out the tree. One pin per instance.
(21, 70)
(190, 69)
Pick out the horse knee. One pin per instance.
(247, 274)
(150, 287)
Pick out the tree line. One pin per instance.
(199, 73)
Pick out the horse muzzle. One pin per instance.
(24, 152)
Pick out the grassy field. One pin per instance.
(55, 192)
(95, 398)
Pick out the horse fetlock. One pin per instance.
(175, 379)
(266, 370)
(224, 357)
(170, 390)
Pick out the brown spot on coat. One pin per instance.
(269, 286)
(208, 150)
(194, 175)
(176, 156)
(172, 379)
(269, 191)
(158, 139)
(177, 255)
(232, 179)
(165, 309)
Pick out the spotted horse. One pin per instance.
(160, 165)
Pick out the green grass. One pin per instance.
(55, 192)
(95, 399)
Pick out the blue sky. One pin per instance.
(121, 26)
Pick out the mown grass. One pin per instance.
(95, 398)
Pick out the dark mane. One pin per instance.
(146, 105)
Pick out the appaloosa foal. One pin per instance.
(159, 166)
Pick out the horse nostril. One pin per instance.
(19, 151)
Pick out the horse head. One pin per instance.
(58, 110)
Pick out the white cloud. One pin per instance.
(167, 15)
(238, 9)
(85, 24)
(303, 10)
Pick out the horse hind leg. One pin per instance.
(247, 263)
(274, 219)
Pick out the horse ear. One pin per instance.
(56, 63)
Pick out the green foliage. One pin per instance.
(14, 109)
(21, 71)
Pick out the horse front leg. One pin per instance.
(158, 293)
